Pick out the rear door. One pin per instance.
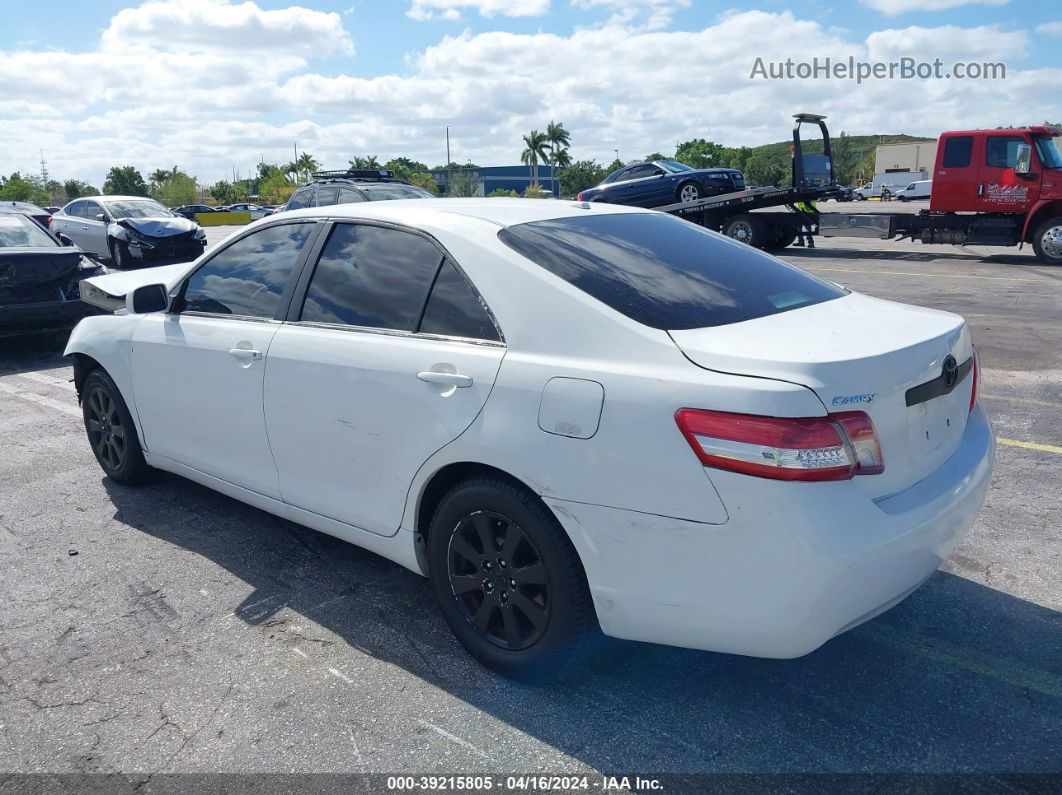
(390, 356)
(999, 188)
(198, 372)
(957, 173)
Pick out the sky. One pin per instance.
(215, 86)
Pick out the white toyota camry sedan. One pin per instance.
(573, 418)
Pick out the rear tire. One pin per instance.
(1047, 241)
(508, 580)
(747, 228)
(688, 192)
(782, 241)
(111, 431)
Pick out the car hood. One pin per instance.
(26, 267)
(161, 226)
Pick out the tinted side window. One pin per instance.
(75, 209)
(300, 198)
(455, 309)
(664, 272)
(349, 196)
(248, 277)
(957, 151)
(371, 276)
(327, 195)
(1002, 150)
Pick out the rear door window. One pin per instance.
(455, 309)
(371, 276)
(300, 198)
(327, 195)
(349, 196)
(664, 272)
(957, 151)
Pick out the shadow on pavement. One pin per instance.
(959, 678)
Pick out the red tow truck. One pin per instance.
(990, 188)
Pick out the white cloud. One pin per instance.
(1050, 28)
(218, 25)
(896, 7)
(947, 41)
(655, 13)
(636, 89)
(424, 10)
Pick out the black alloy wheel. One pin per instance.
(499, 580)
(110, 430)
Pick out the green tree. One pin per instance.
(175, 189)
(761, 171)
(73, 188)
(615, 165)
(413, 172)
(656, 156)
(700, 153)
(581, 175)
(275, 187)
(537, 151)
(125, 181)
(220, 190)
(463, 182)
(369, 161)
(397, 164)
(306, 165)
(23, 189)
(558, 138)
(502, 193)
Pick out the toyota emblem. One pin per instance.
(951, 371)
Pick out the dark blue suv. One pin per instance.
(663, 182)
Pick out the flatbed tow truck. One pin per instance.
(990, 187)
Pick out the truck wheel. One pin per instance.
(1047, 241)
(782, 241)
(746, 228)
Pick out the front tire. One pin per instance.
(508, 580)
(111, 431)
(120, 255)
(1047, 241)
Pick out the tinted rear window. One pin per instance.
(665, 272)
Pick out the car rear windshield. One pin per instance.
(17, 231)
(665, 272)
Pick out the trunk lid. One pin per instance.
(860, 354)
(31, 267)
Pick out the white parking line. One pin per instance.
(33, 397)
(453, 738)
(51, 380)
(346, 679)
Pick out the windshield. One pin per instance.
(674, 165)
(136, 209)
(1047, 149)
(384, 192)
(664, 272)
(18, 231)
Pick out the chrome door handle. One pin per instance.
(447, 379)
(245, 354)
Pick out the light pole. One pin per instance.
(617, 154)
(449, 176)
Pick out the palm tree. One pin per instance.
(159, 175)
(558, 139)
(306, 164)
(369, 161)
(537, 145)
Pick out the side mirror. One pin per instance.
(101, 217)
(1023, 166)
(149, 298)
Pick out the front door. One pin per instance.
(375, 376)
(1000, 190)
(198, 371)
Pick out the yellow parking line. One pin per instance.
(1034, 401)
(932, 275)
(1043, 448)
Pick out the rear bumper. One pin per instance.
(42, 317)
(796, 564)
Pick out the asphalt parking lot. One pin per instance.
(169, 628)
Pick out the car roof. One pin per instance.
(498, 211)
(113, 198)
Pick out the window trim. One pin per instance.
(298, 297)
(283, 306)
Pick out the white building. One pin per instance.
(917, 156)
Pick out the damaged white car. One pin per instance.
(128, 230)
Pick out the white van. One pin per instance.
(916, 190)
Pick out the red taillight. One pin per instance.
(834, 447)
(975, 372)
(579, 197)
